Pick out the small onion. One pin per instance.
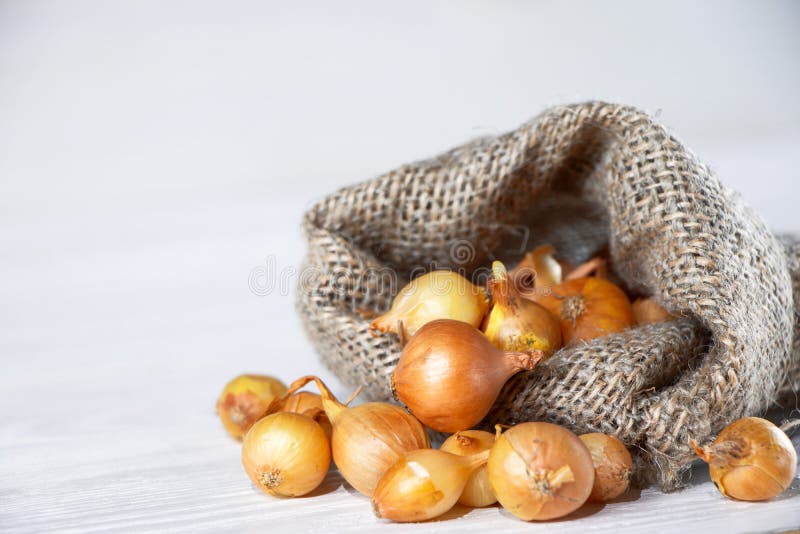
(436, 295)
(423, 484)
(369, 438)
(450, 374)
(612, 466)
(245, 400)
(751, 460)
(518, 324)
(648, 311)
(478, 492)
(540, 471)
(286, 454)
(588, 308)
(539, 270)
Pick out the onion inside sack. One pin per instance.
(424, 484)
(540, 471)
(477, 492)
(369, 438)
(449, 374)
(751, 460)
(435, 295)
(587, 308)
(648, 311)
(518, 324)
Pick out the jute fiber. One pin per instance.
(584, 177)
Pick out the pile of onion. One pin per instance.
(462, 342)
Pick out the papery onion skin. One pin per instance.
(612, 466)
(517, 324)
(449, 374)
(435, 295)
(245, 399)
(540, 471)
(588, 308)
(477, 492)
(286, 454)
(751, 460)
(369, 438)
(648, 311)
(423, 484)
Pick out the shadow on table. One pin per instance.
(330, 484)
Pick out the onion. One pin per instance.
(436, 295)
(751, 460)
(612, 466)
(450, 374)
(648, 311)
(423, 484)
(518, 324)
(478, 492)
(540, 471)
(588, 308)
(286, 454)
(245, 400)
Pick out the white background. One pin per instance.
(152, 154)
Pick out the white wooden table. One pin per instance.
(155, 153)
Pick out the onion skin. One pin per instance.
(751, 460)
(477, 492)
(286, 454)
(612, 466)
(517, 324)
(423, 484)
(450, 374)
(648, 311)
(588, 308)
(245, 400)
(540, 471)
(435, 295)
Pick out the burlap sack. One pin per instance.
(580, 177)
